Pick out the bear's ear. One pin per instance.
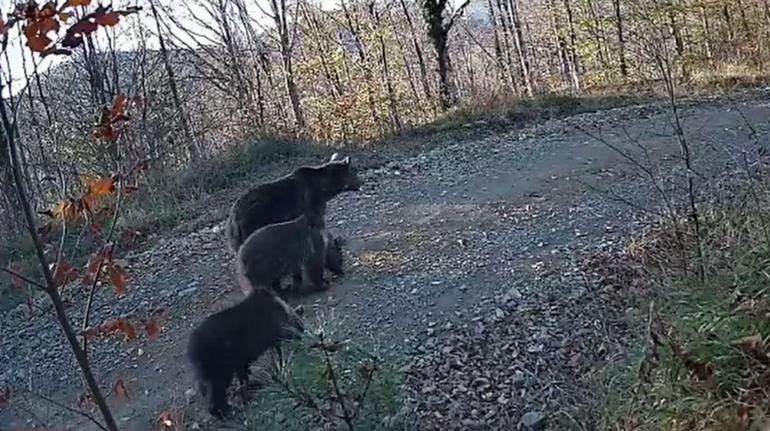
(335, 157)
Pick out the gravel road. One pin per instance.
(463, 260)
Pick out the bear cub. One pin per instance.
(227, 342)
(297, 247)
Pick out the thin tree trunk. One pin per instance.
(575, 67)
(508, 42)
(706, 33)
(281, 21)
(521, 49)
(392, 98)
(621, 39)
(192, 149)
(499, 62)
(418, 51)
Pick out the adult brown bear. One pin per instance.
(304, 191)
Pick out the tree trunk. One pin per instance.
(395, 117)
(521, 49)
(442, 56)
(192, 149)
(575, 66)
(418, 51)
(499, 62)
(508, 42)
(280, 12)
(706, 33)
(621, 39)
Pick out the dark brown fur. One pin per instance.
(282, 249)
(227, 342)
(304, 191)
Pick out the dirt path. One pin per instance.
(464, 253)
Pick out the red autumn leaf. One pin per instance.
(38, 43)
(119, 106)
(118, 325)
(119, 278)
(96, 262)
(5, 396)
(128, 329)
(3, 28)
(153, 328)
(74, 36)
(108, 19)
(84, 27)
(48, 10)
(47, 25)
(64, 273)
(76, 3)
(89, 203)
(166, 420)
(119, 390)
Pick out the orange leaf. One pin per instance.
(75, 3)
(119, 279)
(65, 210)
(108, 19)
(120, 391)
(166, 419)
(99, 187)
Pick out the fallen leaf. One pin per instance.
(120, 391)
(153, 328)
(119, 278)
